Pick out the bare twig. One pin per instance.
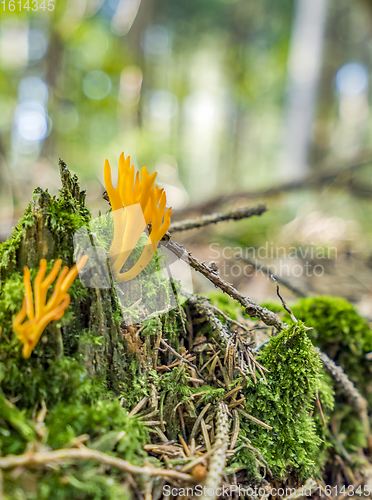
(182, 358)
(353, 395)
(266, 270)
(198, 420)
(31, 459)
(252, 309)
(289, 311)
(256, 420)
(336, 177)
(206, 220)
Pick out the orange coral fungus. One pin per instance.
(131, 191)
(45, 311)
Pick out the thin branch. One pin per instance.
(206, 220)
(251, 308)
(198, 420)
(289, 311)
(266, 270)
(30, 459)
(353, 395)
(230, 320)
(182, 358)
(339, 178)
(256, 420)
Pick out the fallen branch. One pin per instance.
(352, 393)
(31, 459)
(182, 358)
(204, 308)
(242, 353)
(267, 271)
(251, 308)
(206, 220)
(340, 178)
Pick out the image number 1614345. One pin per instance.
(27, 5)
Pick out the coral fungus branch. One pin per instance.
(129, 223)
(43, 312)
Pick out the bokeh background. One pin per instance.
(232, 102)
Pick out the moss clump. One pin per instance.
(339, 331)
(227, 304)
(101, 422)
(46, 229)
(346, 337)
(292, 446)
(342, 333)
(108, 429)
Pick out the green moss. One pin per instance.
(285, 403)
(102, 422)
(227, 304)
(109, 430)
(15, 428)
(50, 380)
(342, 333)
(346, 337)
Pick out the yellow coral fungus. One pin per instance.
(141, 192)
(44, 311)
